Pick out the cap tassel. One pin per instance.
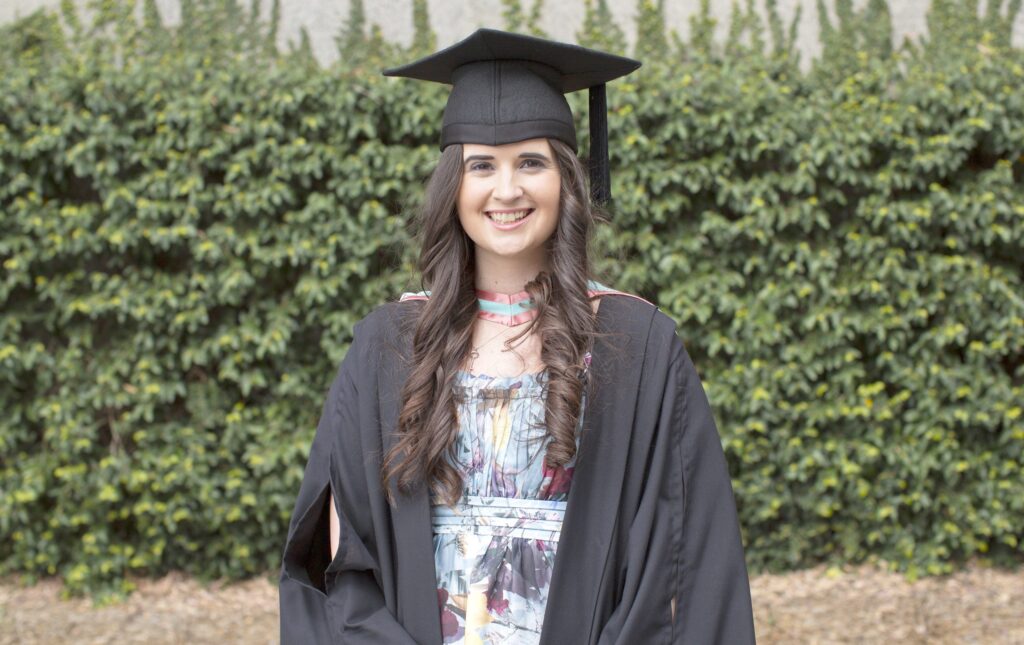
(600, 176)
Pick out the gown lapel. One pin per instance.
(417, 604)
(578, 600)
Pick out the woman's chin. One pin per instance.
(509, 252)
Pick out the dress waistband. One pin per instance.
(505, 516)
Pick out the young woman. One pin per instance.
(516, 454)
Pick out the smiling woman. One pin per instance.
(508, 205)
(517, 453)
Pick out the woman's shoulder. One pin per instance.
(632, 305)
(635, 315)
(383, 324)
(594, 288)
(390, 313)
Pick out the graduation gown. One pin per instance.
(650, 513)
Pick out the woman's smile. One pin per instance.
(506, 220)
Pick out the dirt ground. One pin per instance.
(859, 605)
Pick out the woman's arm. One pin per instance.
(335, 529)
(328, 589)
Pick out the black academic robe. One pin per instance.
(650, 513)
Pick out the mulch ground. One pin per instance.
(859, 605)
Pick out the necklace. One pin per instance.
(475, 354)
(509, 309)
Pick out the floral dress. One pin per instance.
(495, 550)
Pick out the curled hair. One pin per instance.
(443, 330)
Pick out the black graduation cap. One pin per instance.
(509, 87)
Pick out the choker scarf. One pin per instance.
(510, 308)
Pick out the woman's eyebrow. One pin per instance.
(533, 155)
(525, 155)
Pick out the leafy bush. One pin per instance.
(193, 221)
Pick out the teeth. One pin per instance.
(508, 218)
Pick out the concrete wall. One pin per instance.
(454, 19)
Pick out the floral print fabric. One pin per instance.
(495, 550)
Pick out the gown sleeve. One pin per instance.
(339, 601)
(713, 602)
(684, 540)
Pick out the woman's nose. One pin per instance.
(508, 187)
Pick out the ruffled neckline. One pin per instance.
(489, 386)
(528, 383)
(535, 376)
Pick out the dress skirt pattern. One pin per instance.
(494, 551)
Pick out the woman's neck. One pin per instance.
(507, 275)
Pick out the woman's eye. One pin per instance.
(527, 163)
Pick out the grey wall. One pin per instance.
(454, 19)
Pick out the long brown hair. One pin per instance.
(427, 424)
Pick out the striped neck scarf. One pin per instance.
(506, 308)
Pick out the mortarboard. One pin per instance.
(509, 87)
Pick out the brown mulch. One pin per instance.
(859, 605)
(868, 604)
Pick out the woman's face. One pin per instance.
(508, 200)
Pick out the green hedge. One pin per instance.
(192, 223)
